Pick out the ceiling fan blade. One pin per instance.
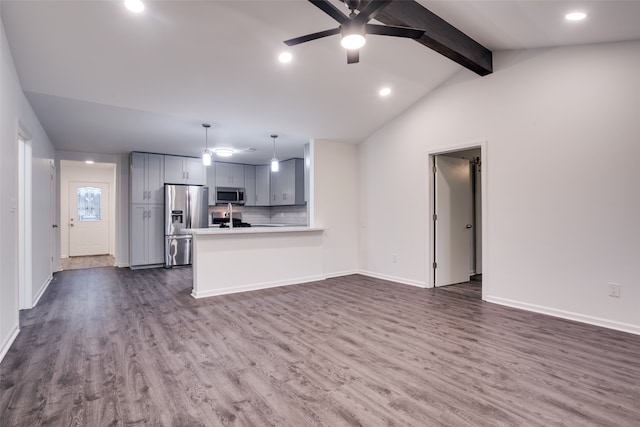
(371, 10)
(314, 36)
(389, 30)
(330, 10)
(353, 56)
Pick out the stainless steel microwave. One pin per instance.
(233, 195)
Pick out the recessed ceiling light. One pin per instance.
(89, 162)
(575, 16)
(134, 5)
(285, 57)
(385, 91)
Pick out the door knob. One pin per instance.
(55, 226)
(469, 226)
(71, 225)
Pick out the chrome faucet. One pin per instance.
(230, 214)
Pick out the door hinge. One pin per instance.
(435, 169)
(435, 265)
(435, 217)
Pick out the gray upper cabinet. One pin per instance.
(184, 170)
(263, 184)
(262, 187)
(229, 175)
(147, 178)
(250, 185)
(211, 183)
(287, 185)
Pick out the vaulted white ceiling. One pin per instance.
(104, 80)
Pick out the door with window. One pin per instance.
(88, 218)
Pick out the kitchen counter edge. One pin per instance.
(249, 230)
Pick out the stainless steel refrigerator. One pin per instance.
(185, 206)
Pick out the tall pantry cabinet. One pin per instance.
(146, 232)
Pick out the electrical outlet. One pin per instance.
(395, 258)
(614, 290)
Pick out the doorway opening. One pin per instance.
(87, 214)
(456, 223)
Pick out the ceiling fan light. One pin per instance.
(223, 152)
(275, 165)
(206, 158)
(352, 41)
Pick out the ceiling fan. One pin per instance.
(354, 27)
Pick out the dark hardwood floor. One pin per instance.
(112, 346)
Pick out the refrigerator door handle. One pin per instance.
(187, 220)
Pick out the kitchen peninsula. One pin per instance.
(234, 260)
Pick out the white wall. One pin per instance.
(14, 109)
(121, 208)
(562, 131)
(74, 171)
(334, 205)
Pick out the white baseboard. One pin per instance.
(341, 274)
(409, 282)
(42, 290)
(6, 345)
(256, 286)
(591, 320)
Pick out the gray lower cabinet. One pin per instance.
(146, 233)
(287, 185)
(146, 241)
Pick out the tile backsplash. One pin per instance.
(289, 215)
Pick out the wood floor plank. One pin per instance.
(110, 346)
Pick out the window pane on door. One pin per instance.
(89, 203)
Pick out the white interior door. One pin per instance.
(453, 226)
(52, 212)
(88, 218)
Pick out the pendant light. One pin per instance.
(206, 154)
(275, 165)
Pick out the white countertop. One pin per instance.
(248, 230)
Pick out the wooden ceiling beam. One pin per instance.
(439, 35)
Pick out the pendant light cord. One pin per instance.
(274, 145)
